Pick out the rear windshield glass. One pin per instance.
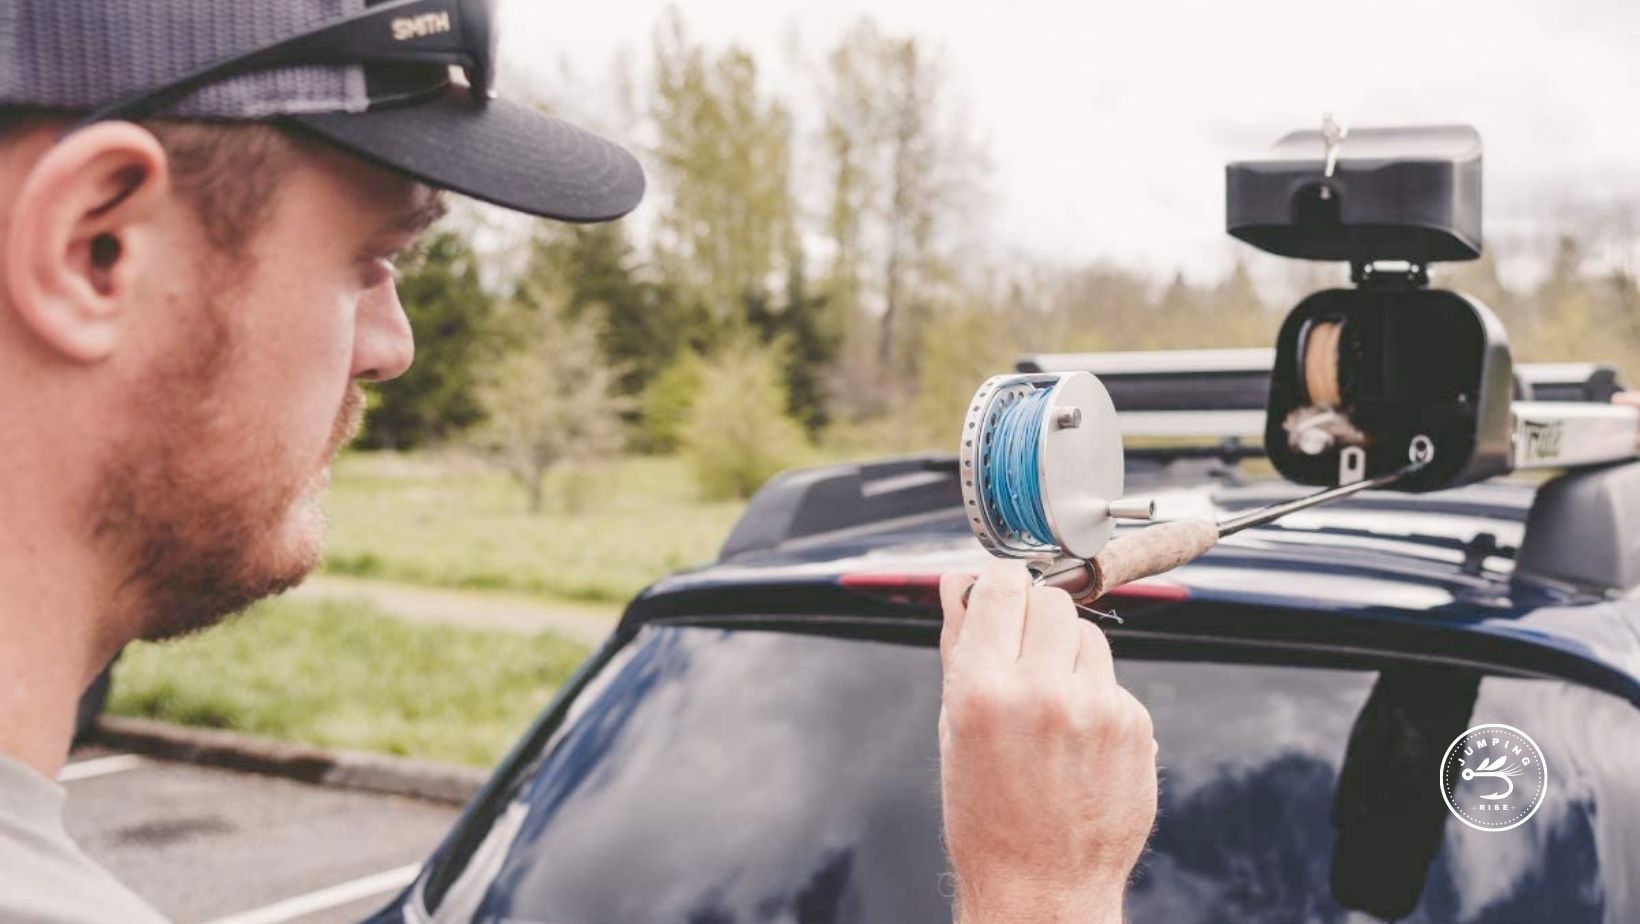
(716, 776)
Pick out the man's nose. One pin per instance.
(383, 345)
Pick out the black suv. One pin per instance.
(1406, 706)
(756, 741)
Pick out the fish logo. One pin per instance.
(1493, 777)
(1491, 768)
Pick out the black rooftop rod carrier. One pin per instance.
(1387, 385)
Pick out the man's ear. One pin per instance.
(83, 218)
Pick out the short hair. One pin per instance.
(229, 172)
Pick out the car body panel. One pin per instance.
(1325, 608)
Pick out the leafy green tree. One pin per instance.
(668, 401)
(738, 434)
(903, 178)
(550, 399)
(964, 347)
(723, 151)
(1578, 313)
(452, 315)
(1239, 316)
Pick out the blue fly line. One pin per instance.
(1013, 483)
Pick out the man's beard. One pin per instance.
(194, 511)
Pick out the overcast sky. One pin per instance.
(1108, 125)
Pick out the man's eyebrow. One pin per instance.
(428, 208)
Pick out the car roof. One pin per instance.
(1412, 573)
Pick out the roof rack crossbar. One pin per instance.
(1239, 379)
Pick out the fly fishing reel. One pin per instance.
(1042, 467)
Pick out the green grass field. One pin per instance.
(445, 521)
(346, 675)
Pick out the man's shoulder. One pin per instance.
(46, 879)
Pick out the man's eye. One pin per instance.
(409, 259)
(378, 271)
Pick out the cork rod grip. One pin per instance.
(1149, 551)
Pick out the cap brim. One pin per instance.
(500, 152)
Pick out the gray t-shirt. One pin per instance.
(44, 877)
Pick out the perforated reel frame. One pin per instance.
(1080, 467)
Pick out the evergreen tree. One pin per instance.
(643, 325)
(808, 335)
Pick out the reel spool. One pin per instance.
(1042, 466)
(1324, 422)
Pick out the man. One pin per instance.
(199, 206)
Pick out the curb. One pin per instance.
(400, 776)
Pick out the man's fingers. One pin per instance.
(1050, 638)
(953, 584)
(1093, 660)
(1139, 723)
(994, 620)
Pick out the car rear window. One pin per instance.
(712, 776)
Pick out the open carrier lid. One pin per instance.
(1362, 195)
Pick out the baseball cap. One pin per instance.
(407, 84)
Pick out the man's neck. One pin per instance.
(54, 636)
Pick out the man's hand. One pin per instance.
(1048, 767)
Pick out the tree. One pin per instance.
(1239, 315)
(642, 324)
(1097, 307)
(964, 347)
(806, 333)
(452, 316)
(723, 152)
(1563, 316)
(903, 180)
(738, 433)
(668, 402)
(550, 400)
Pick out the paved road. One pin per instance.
(203, 844)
